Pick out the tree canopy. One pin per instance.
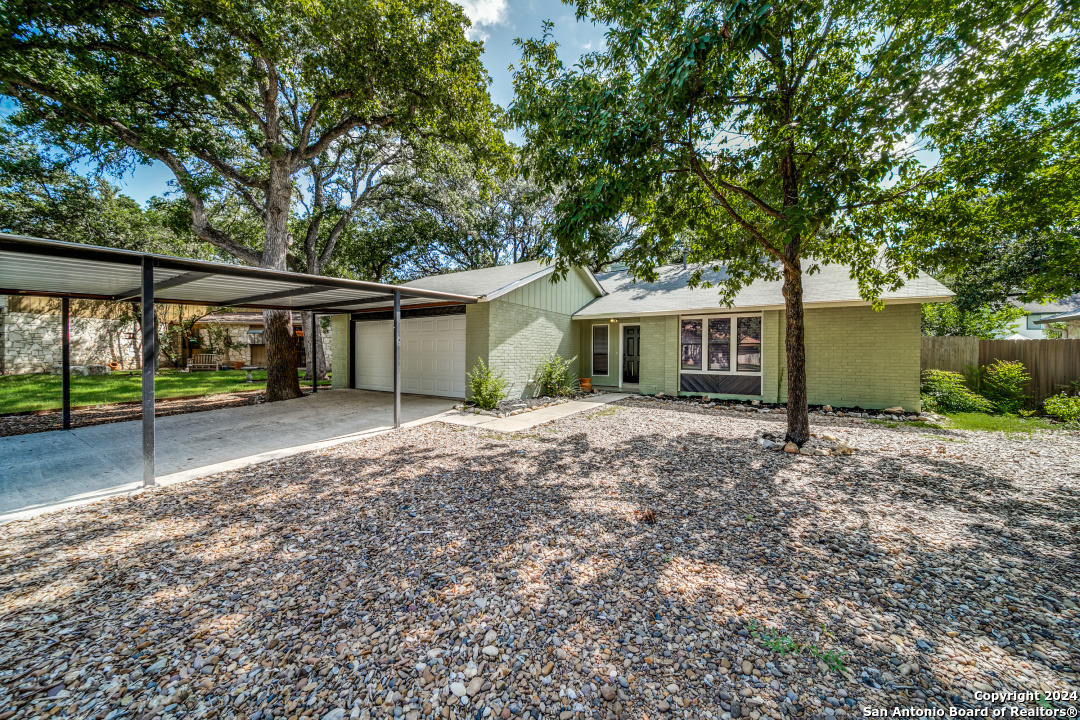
(243, 96)
(771, 137)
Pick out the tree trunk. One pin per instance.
(798, 415)
(282, 380)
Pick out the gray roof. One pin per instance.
(1073, 314)
(1061, 305)
(670, 294)
(483, 282)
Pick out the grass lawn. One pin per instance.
(20, 393)
(996, 423)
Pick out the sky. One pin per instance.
(495, 22)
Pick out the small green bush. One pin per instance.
(487, 388)
(1064, 408)
(945, 391)
(555, 376)
(1003, 384)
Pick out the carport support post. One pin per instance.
(314, 356)
(149, 354)
(397, 358)
(65, 360)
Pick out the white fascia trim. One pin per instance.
(715, 310)
(592, 280)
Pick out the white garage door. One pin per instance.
(432, 355)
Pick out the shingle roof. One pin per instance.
(483, 282)
(670, 293)
(1061, 305)
(489, 283)
(1073, 314)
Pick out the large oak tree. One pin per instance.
(245, 95)
(770, 136)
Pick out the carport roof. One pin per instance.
(34, 266)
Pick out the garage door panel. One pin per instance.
(432, 356)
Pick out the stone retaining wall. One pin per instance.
(31, 343)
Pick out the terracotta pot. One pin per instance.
(586, 384)
(237, 365)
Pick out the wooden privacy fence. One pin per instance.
(955, 354)
(1052, 364)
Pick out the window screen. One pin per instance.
(600, 350)
(749, 352)
(691, 344)
(720, 344)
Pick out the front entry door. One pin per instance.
(631, 353)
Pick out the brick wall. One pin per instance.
(520, 337)
(339, 351)
(858, 357)
(659, 355)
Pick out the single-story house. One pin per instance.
(661, 337)
(1068, 320)
(245, 333)
(1038, 314)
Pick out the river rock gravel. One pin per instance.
(451, 572)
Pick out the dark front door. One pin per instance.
(631, 353)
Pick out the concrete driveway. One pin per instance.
(46, 471)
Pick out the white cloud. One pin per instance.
(484, 13)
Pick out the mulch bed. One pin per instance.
(25, 424)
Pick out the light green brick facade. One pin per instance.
(515, 332)
(339, 352)
(855, 356)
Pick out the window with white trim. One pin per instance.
(600, 349)
(726, 344)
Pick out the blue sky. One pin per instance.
(496, 22)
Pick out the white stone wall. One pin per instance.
(31, 342)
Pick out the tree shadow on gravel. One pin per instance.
(361, 560)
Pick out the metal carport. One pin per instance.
(35, 266)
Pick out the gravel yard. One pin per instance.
(645, 560)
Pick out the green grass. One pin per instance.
(21, 393)
(996, 423)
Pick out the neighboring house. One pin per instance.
(661, 337)
(1069, 320)
(245, 330)
(102, 332)
(105, 332)
(1030, 326)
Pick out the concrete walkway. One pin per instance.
(527, 420)
(46, 471)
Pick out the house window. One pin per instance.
(691, 344)
(1036, 316)
(720, 344)
(600, 350)
(749, 358)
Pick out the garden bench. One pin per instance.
(204, 361)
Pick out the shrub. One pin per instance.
(945, 391)
(555, 376)
(487, 388)
(1003, 384)
(1064, 408)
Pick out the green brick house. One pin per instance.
(661, 337)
